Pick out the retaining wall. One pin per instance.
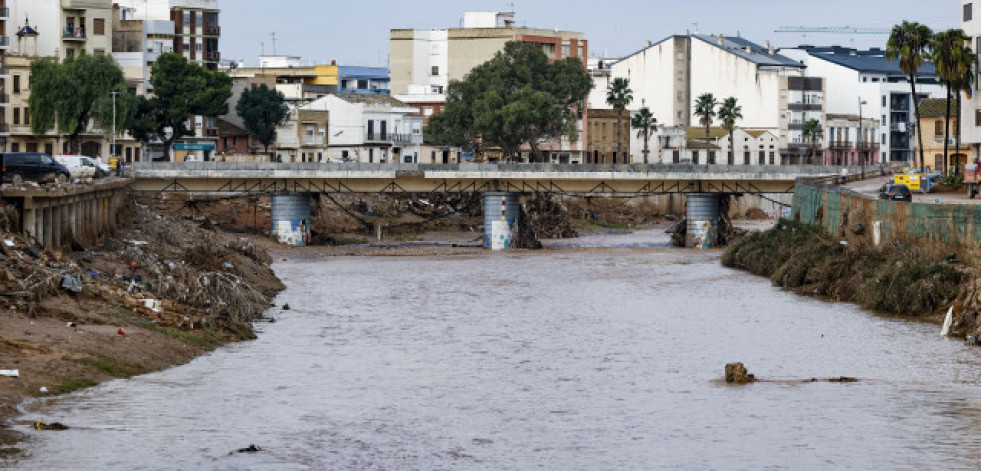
(840, 210)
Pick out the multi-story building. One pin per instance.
(851, 139)
(303, 138)
(970, 113)
(196, 28)
(934, 129)
(601, 142)
(423, 62)
(865, 82)
(136, 45)
(54, 29)
(366, 80)
(368, 128)
(773, 90)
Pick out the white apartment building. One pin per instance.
(687, 145)
(774, 91)
(970, 117)
(369, 128)
(865, 83)
(196, 27)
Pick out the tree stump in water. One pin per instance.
(736, 373)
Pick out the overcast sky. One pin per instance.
(356, 32)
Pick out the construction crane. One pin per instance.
(831, 30)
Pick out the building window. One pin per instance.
(27, 116)
(16, 83)
(99, 52)
(15, 147)
(435, 70)
(16, 115)
(977, 117)
(968, 7)
(187, 47)
(99, 26)
(187, 19)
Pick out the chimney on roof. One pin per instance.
(648, 43)
(749, 49)
(769, 48)
(722, 40)
(333, 62)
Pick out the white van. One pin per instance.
(80, 166)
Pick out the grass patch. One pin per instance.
(894, 278)
(113, 368)
(242, 330)
(174, 333)
(67, 384)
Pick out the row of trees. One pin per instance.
(66, 96)
(912, 43)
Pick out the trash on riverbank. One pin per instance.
(249, 449)
(10, 373)
(737, 373)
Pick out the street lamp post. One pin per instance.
(112, 150)
(861, 136)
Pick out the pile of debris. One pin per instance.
(172, 272)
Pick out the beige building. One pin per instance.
(601, 142)
(56, 29)
(423, 62)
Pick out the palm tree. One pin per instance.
(908, 43)
(705, 110)
(619, 95)
(952, 58)
(646, 124)
(812, 132)
(729, 112)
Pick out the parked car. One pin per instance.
(101, 169)
(896, 192)
(80, 166)
(17, 167)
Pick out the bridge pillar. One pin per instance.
(56, 226)
(702, 214)
(29, 223)
(291, 218)
(47, 231)
(501, 213)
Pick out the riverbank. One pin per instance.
(160, 291)
(916, 281)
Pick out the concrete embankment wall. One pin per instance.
(840, 210)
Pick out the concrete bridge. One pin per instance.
(501, 184)
(635, 179)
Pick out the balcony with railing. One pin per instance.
(211, 132)
(313, 140)
(71, 33)
(212, 56)
(4, 128)
(805, 107)
(211, 30)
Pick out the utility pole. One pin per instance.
(861, 154)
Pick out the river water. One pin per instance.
(602, 353)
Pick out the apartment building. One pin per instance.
(970, 112)
(774, 91)
(423, 62)
(681, 144)
(196, 27)
(365, 128)
(850, 139)
(865, 82)
(55, 29)
(933, 127)
(601, 143)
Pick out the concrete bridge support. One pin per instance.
(291, 218)
(702, 214)
(501, 217)
(79, 214)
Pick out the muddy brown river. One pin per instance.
(600, 353)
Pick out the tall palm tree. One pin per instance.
(645, 122)
(705, 110)
(947, 49)
(729, 112)
(908, 43)
(812, 132)
(619, 95)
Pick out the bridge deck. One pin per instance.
(277, 178)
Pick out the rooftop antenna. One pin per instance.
(273, 34)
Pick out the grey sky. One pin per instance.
(356, 32)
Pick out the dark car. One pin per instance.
(896, 192)
(17, 167)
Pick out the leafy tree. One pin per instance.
(729, 113)
(181, 90)
(68, 95)
(646, 124)
(909, 43)
(517, 98)
(619, 95)
(263, 110)
(705, 110)
(952, 58)
(812, 132)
